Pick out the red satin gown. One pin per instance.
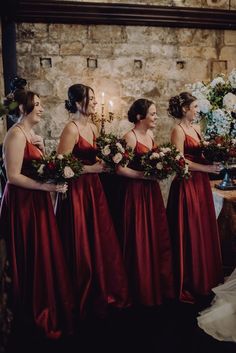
(194, 233)
(146, 242)
(41, 291)
(90, 242)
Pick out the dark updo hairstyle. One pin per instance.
(24, 98)
(177, 103)
(139, 107)
(17, 83)
(78, 93)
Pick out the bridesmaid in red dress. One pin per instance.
(146, 244)
(190, 210)
(87, 231)
(40, 289)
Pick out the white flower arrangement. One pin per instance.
(217, 104)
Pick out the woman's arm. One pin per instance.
(126, 171)
(177, 138)
(68, 139)
(130, 173)
(14, 146)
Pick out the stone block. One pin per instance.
(43, 87)
(228, 53)
(145, 34)
(102, 50)
(200, 37)
(66, 33)
(230, 37)
(28, 66)
(72, 48)
(233, 5)
(23, 48)
(163, 51)
(187, 3)
(128, 49)
(45, 48)
(107, 34)
(197, 52)
(217, 4)
(29, 31)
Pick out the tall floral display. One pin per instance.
(217, 104)
(217, 109)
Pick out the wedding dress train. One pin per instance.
(219, 320)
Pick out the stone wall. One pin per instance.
(124, 62)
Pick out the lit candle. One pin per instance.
(110, 107)
(103, 100)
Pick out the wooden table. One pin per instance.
(225, 205)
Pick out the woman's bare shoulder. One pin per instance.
(150, 133)
(71, 127)
(15, 133)
(177, 130)
(197, 127)
(94, 128)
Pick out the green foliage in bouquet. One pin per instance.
(113, 151)
(164, 161)
(217, 93)
(6, 109)
(56, 168)
(219, 148)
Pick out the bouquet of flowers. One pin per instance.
(56, 168)
(113, 150)
(219, 148)
(164, 161)
(217, 104)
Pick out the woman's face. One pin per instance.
(91, 104)
(37, 111)
(151, 117)
(192, 111)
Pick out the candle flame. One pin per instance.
(110, 106)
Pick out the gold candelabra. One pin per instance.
(103, 118)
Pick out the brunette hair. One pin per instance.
(21, 97)
(139, 107)
(176, 104)
(78, 93)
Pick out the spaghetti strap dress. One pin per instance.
(194, 231)
(40, 291)
(90, 243)
(145, 239)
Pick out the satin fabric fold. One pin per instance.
(41, 291)
(145, 239)
(194, 231)
(90, 242)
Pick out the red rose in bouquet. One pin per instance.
(164, 161)
(219, 148)
(113, 151)
(56, 168)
